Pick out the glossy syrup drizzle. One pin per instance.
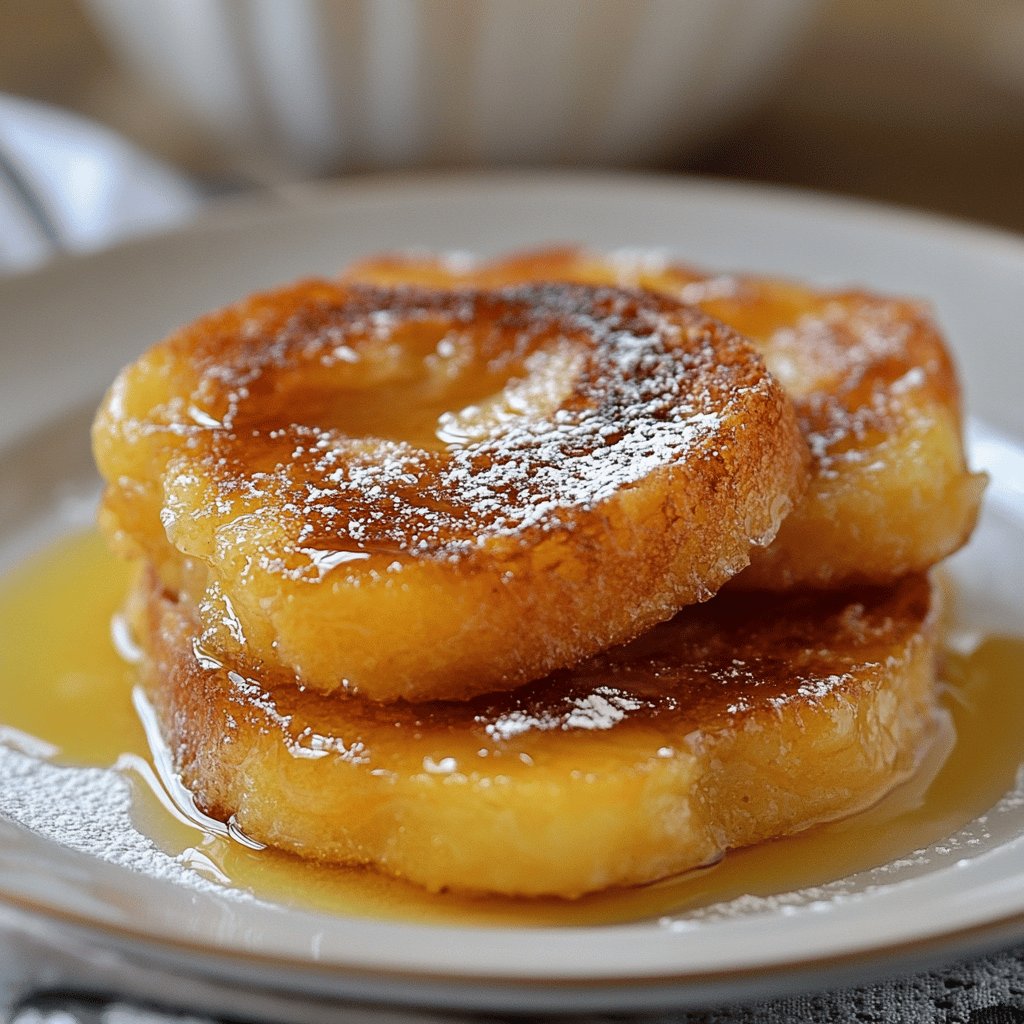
(67, 694)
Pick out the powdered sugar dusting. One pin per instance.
(88, 810)
(639, 385)
(858, 369)
(854, 363)
(599, 709)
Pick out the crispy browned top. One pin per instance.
(709, 668)
(403, 420)
(855, 364)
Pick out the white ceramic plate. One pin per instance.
(112, 903)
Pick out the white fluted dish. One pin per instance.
(315, 85)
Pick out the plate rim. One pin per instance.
(499, 992)
(264, 206)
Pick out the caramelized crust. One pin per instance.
(426, 495)
(874, 388)
(747, 718)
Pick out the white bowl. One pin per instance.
(316, 85)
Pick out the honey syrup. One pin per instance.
(66, 691)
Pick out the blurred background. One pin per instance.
(920, 103)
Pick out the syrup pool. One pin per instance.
(67, 694)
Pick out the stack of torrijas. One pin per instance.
(428, 551)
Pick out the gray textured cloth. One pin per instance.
(989, 990)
